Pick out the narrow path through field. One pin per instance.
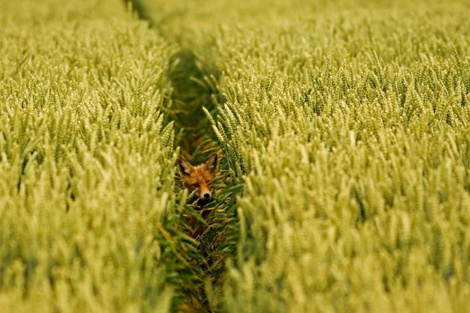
(199, 279)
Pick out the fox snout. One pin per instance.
(199, 177)
(205, 194)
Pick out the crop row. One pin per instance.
(86, 161)
(349, 125)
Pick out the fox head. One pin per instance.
(199, 177)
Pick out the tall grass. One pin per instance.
(350, 124)
(346, 122)
(86, 163)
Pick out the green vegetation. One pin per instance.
(350, 124)
(86, 162)
(346, 123)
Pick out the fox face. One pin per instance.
(199, 177)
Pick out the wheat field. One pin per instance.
(344, 131)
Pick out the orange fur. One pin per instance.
(199, 178)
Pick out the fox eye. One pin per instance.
(195, 185)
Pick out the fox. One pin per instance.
(200, 177)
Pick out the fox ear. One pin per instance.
(212, 163)
(184, 167)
